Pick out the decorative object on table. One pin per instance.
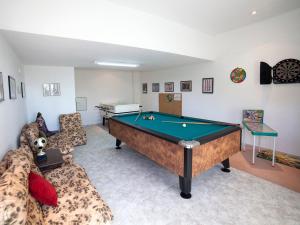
(145, 88)
(42, 125)
(169, 86)
(286, 71)
(208, 85)
(12, 88)
(1, 88)
(23, 90)
(81, 103)
(39, 145)
(238, 75)
(283, 158)
(51, 89)
(254, 116)
(186, 86)
(155, 87)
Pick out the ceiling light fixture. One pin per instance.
(117, 64)
(253, 13)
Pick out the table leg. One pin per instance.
(185, 182)
(244, 135)
(103, 121)
(118, 143)
(253, 151)
(226, 165)
(259, 143)
(274, 144)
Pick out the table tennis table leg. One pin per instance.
(253, 153)
(274, 145)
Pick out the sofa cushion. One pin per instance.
(78, 200)
(42, 190)
(60, 141)
(14, 189)
(34, 212)
(32, 132)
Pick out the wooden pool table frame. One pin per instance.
(184, 158)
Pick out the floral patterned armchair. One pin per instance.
(72, 125)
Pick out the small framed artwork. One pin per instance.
(1, 88)
(81, 104)
(23, 90)
(208, 85)
(51, 89)
(155, 87)
(186, 86)
(169, 86)
(145, 88)
(12, 87)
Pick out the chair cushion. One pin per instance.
(42, 190)
(78, 200)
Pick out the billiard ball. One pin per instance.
(184, 125)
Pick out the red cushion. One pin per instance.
(42, 190)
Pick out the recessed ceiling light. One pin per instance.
(116, 64)
(253, 13)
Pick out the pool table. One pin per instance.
(184, 145)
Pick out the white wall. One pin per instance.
(269, 41)
(12, 112)
(104, 86)
(51, 107)
(103, 21)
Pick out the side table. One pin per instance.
(259, 129)
(54, 160)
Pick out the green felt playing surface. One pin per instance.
(190, 132)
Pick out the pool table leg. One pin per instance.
(185, 182)
(226, 165)
(118, 143)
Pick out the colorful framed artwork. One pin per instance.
(253, 115)
(238, 75)
(145, 88)
(169, 86)
(1, 88)
(23, 90)
(12, 87)
(186, 86)
(155, 87)
(51, 89)
(208, 85)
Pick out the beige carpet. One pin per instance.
(140, 192)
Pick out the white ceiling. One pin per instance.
(44, 50)
(212, 16)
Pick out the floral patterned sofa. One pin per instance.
(78, 200)
(71, 125)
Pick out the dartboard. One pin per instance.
(287, 71)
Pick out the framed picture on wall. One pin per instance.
(145, 88)
(12, 87)
(1, 88)
(155, 87)
(208, 85)
(23, 90)
(169, 86)
(51, 89)
(186, 86)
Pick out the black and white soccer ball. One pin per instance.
(40, 144)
